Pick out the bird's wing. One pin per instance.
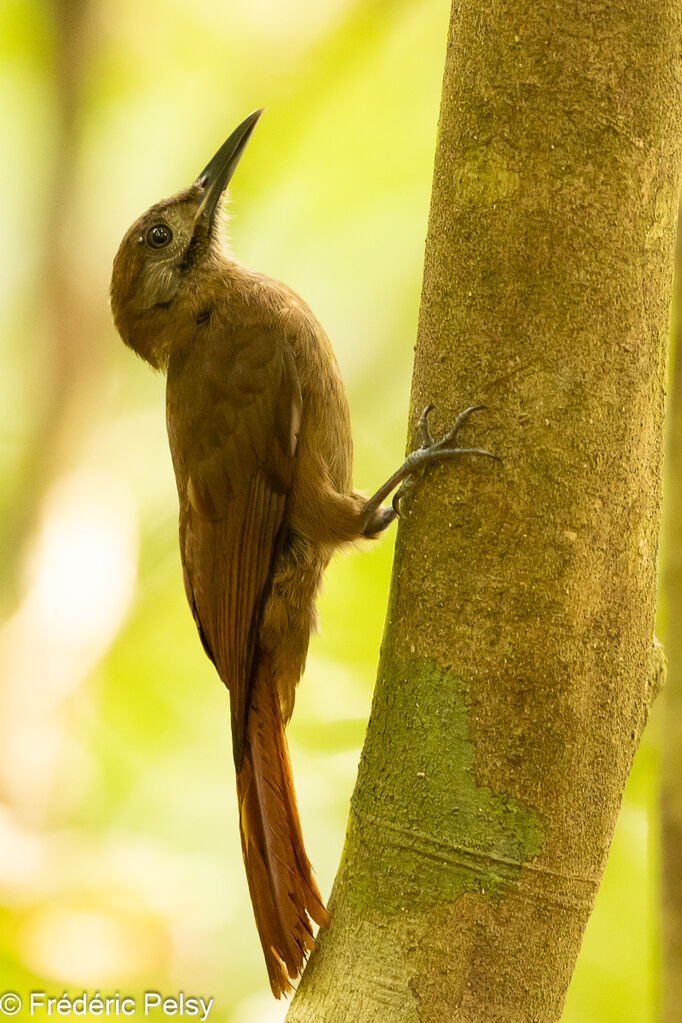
(237, 469)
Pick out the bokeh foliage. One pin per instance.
(120, 866)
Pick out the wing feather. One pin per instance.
(234, 461)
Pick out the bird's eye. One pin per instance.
(159, 235)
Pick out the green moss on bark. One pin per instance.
(422, 829)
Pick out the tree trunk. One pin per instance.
(513, 681)
(671, 760)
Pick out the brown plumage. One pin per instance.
(259, 432)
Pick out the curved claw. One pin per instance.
(448, 437)
(400, 493)
(423, 424)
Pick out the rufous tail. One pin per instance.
(283, 890)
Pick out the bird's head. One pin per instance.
(160, 262)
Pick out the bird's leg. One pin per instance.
(377, 518)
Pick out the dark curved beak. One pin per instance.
(216, 175)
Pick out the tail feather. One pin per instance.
(283, 890)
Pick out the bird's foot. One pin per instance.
(431, 450)
(377, 518)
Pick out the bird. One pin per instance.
(260, 437)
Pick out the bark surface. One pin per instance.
(671, 760)
(514, 676)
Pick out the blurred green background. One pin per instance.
(120, 866)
